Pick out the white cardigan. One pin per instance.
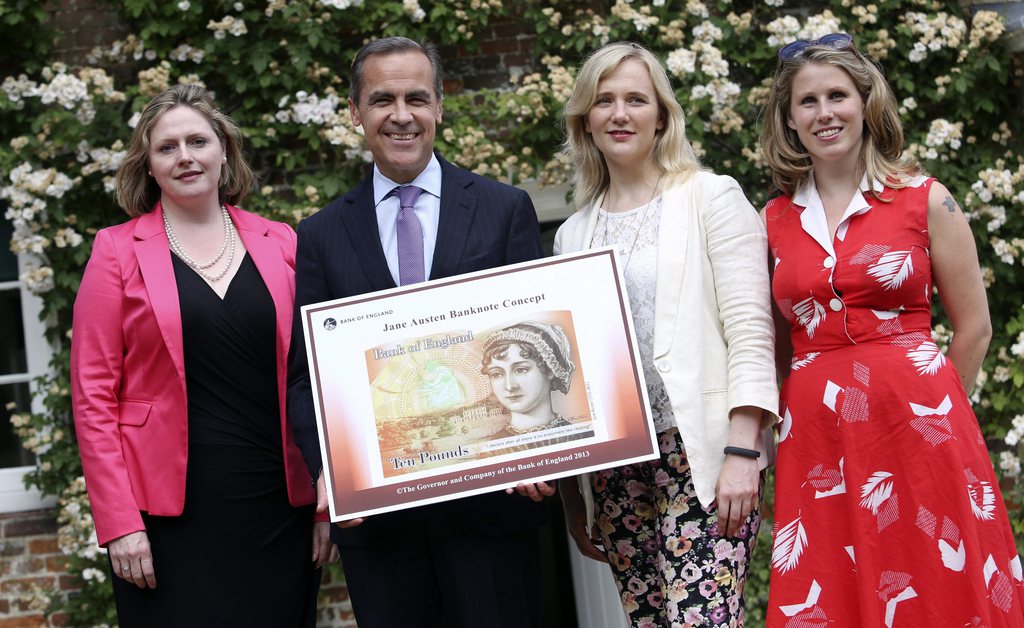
(714, 339)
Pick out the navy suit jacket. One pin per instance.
(483, 224)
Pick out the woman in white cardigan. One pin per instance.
(678, 531)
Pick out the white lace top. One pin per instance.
(635, 235)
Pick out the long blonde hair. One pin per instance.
(137, 192)
(672, 154)
(882, 158)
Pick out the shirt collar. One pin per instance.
(809, 190)
(875, 185)
(429, 180)
(813, 219)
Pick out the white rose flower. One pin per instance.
(1009, 464)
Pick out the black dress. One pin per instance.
(239, 554)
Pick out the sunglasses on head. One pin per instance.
(836, 41)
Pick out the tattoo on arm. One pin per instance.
(950, 204)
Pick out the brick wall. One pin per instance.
(83, 24)
(504, 50)
(29, 563)
(335, 610)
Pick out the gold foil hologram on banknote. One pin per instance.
(465, 395)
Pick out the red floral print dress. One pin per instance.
(887, 510)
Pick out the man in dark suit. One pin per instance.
(472, 561)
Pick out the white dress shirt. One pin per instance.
(427, 209)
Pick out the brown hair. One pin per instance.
(137, 192)
(881, 159)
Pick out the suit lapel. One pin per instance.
(458, 206)
(673, 238)
(154, 255)
(269, 259)
(360, 220)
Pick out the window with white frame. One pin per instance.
(24, 354)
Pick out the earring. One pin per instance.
(225, 159)
(150, 173)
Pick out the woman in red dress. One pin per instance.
(887, 508)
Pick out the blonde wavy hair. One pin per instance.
(882, 158)
(137, 192)
(672, 153)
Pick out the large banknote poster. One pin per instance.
(475, 383)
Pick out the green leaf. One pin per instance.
(998, 402)
(260, 62)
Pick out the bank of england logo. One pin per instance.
(330, 324)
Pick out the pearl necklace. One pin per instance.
(227, 245)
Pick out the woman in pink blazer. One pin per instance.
(180, 343)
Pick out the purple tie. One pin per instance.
(410, 237)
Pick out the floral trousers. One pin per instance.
(671, 566)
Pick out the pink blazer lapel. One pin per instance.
(276, 266)
(154, 257)
(275, 263)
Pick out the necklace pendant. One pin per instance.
(648, 208)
